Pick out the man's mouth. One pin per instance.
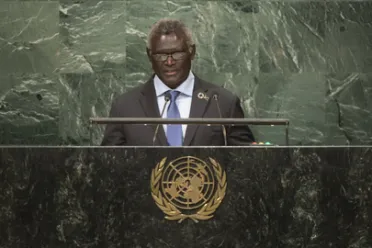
(170, 73)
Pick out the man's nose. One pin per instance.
(170, 60)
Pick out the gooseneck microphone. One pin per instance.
(215, 97)
(167, 98)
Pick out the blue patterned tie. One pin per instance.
(174, 131)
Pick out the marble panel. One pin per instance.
(29, 37)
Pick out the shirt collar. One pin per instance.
(186, 88)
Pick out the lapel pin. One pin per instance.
(201, 95)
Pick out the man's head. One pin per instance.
(170, 49)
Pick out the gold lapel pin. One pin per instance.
(201, 95)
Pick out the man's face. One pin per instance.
(172, 70)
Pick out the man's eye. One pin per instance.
(178, 55)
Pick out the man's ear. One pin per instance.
(192, 51)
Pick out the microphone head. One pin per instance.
(215, 95)
(167, 96)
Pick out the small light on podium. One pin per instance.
(262, 143)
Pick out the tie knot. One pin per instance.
(174, 94)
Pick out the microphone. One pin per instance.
(167, 98)
(215, 97)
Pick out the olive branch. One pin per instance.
(172, 213)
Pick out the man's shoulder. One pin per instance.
(130, 95)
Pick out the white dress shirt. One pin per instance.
(183, 101)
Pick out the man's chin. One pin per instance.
(171, 81)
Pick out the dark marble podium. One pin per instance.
(101, 197)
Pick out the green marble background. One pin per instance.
(62, 62)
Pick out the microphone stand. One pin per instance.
(215, 96)
(167, 97)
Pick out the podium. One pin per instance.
(252, 197)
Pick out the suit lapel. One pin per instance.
(149, 103)
(198, 107)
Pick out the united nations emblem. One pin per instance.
(188, 187)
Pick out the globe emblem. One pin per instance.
(188, 188)
(188, 183)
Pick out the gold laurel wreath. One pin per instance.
(172, 213)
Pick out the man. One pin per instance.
(170, 50)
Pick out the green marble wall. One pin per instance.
(64, 61)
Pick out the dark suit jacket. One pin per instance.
(142, 102)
